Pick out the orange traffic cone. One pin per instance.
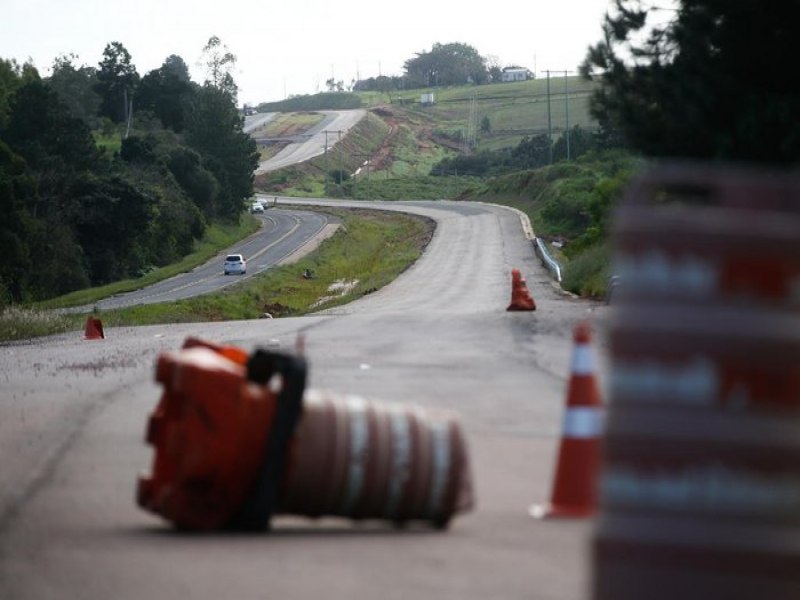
(574, 487)
(520, 296)
(93, 329)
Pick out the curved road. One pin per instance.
(73, 413)
(283, 232)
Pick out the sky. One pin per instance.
(293, 47)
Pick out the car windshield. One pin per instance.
(234, 258)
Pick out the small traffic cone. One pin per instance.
(574, 487)
(93, 329)
(521, 298)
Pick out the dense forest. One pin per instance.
(105, 174)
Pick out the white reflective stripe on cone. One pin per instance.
(582, 360)
(359, 432)
(583, 422)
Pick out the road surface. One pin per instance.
(73, 412)
(283, 233)
(253, 122)
(335, 123)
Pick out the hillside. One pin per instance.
(513, 109)
(403, 139)
(569, 202)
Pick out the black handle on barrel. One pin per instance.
(257, 510)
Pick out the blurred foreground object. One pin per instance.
(238, 439)
(700, 485)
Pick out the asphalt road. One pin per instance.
(282, 233)
(335, 123)
(253, 122)
(73, 412)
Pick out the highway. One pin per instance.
(282, 233)
(335, 123)
(73, 414)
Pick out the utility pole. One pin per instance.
(549, 120)
(566, 109)
(341, 175)
(326, 152)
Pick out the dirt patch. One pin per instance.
(276, 309)
(338, 289)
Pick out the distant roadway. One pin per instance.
(284, 231)
(336, 123)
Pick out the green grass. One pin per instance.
(110, 143)
(588, 273)
(289, 124)
(217, 238)
(19, 323)
(412, 188)
(514, 109)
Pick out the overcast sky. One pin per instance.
(294, 46)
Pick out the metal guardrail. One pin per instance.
(538, 245)
(547, 260)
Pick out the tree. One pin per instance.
(75, 87)
(116, 83)
(166, 93)
(112, 225)
(494, 69)
(214, 130)
(334, 86)
(199, 184)
(219, 62)
(447, 64)
(177, 66)
(581, 141)
(709, 83)
(42, 131)
(12, 76)
(17, 192)
(532, 152)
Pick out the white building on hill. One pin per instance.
(516, 74)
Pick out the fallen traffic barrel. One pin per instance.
(700, 484)
(238, 439)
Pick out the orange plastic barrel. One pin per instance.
(700, 488)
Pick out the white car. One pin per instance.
(234, 264)
(256, 207)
